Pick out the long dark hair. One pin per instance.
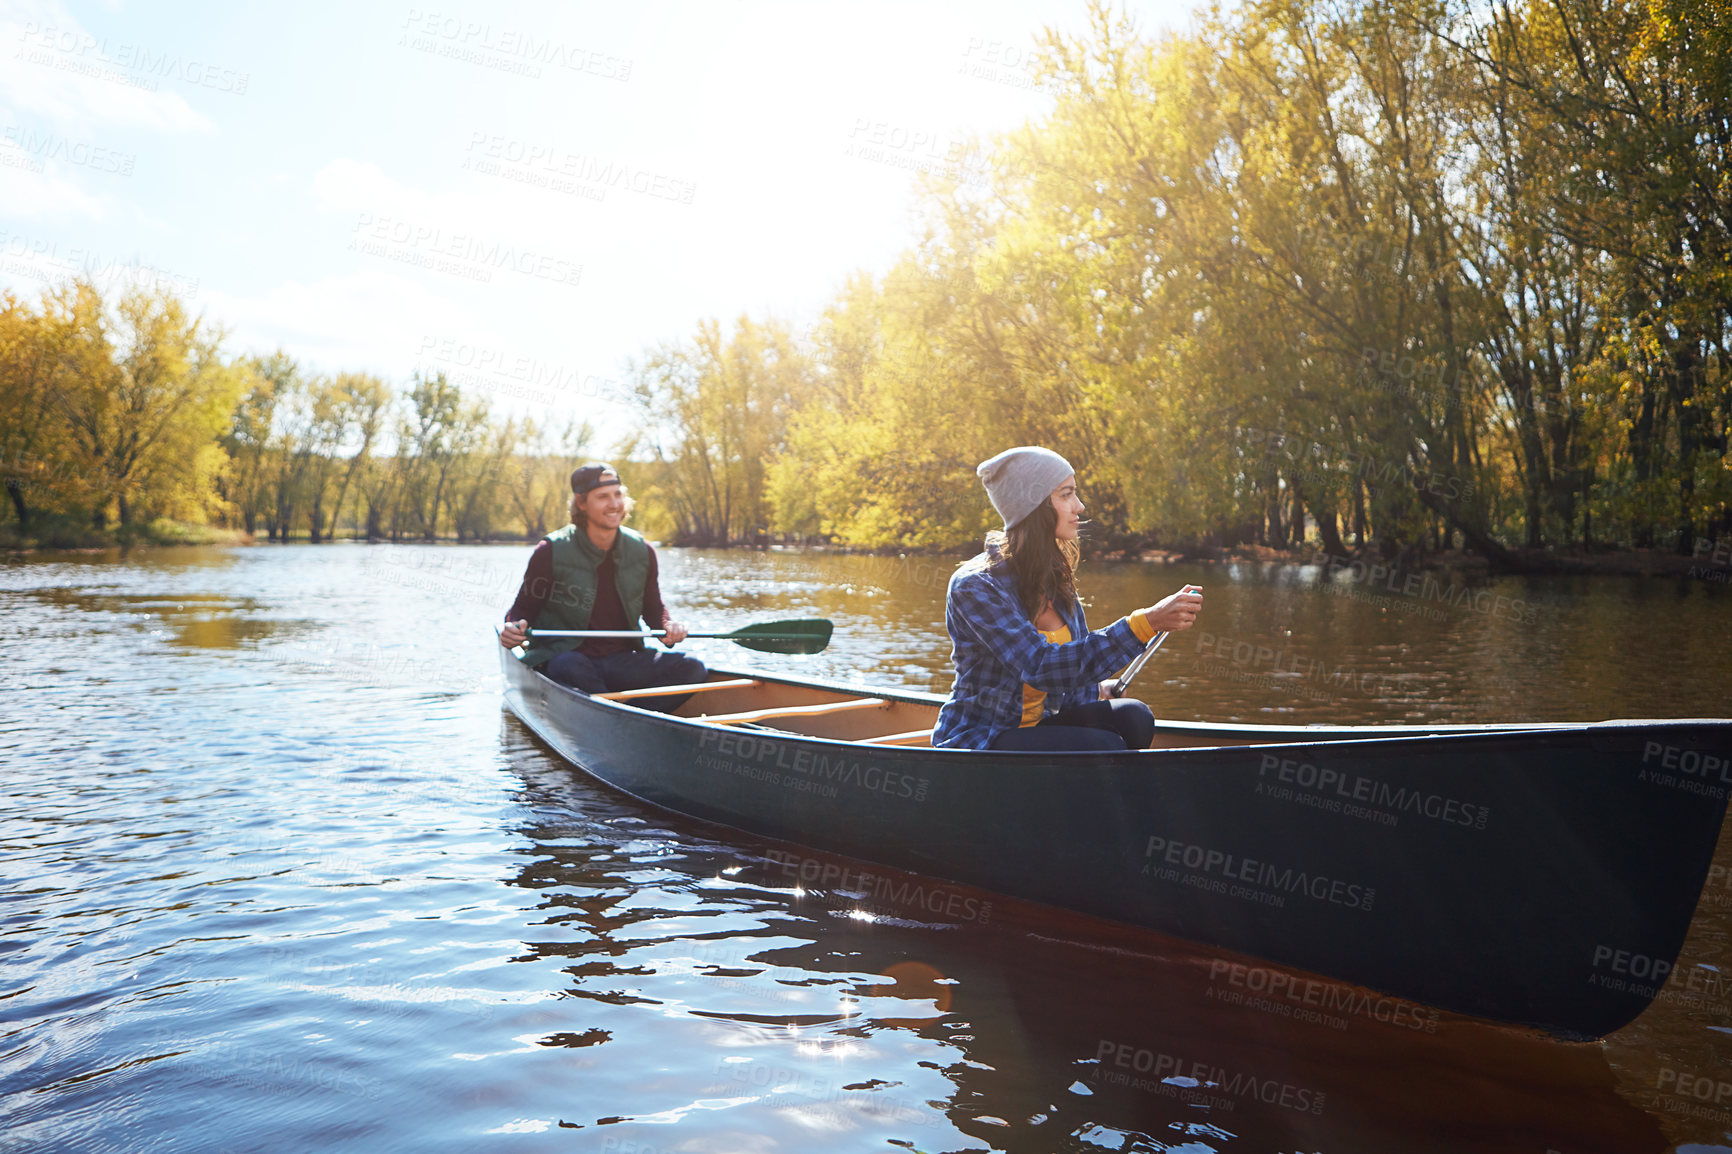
(1044, 567)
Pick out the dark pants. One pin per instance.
(633, 669)
(1104, 725)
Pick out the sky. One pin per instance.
(526, 196)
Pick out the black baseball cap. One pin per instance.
(592, 477)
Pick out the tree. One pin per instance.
(145, 424)
(363, 402)
(539, 481)
(724, 406)
(248, 442)
(36, 355)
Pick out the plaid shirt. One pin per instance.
(997, 650)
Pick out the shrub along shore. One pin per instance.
(1397, 279)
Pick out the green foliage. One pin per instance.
(719, 409)
(1372, 274)
(124, 424)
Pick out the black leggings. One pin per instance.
(1122, 723)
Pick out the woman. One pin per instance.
(1029, 674)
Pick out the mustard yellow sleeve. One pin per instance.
(1141, 627)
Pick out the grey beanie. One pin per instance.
(1019, 479)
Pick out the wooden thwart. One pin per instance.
(910, 737)
(697, 687)
(798, 710)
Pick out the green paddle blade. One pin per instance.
(800, 635)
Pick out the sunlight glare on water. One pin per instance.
(282, 874)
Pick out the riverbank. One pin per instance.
(68, 538)
(58, 536)
(1708, 561)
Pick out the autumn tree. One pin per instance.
(144, 423)
(722, 405)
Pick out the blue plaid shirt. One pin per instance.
(997, 650)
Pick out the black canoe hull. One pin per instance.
(1544, 877)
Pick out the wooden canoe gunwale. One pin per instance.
(1574, 855)
(1235, 733)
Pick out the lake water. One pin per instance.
(280, 873)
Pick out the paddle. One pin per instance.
(797, 635)
(1135, 667)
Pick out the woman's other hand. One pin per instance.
(513, 634)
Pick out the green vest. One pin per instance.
(575, 563)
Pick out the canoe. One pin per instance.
(1541, 874)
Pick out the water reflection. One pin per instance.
(193, 620)
(323, 897)
(820, 978)
(1280, 642)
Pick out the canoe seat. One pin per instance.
(695, 687)
(797, 711)
(910, 737)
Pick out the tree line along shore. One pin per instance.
(1402, 279)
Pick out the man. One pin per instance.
(597, 574)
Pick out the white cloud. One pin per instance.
(338, 323)
(58, 70)
(346, 185)
(30, 194)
